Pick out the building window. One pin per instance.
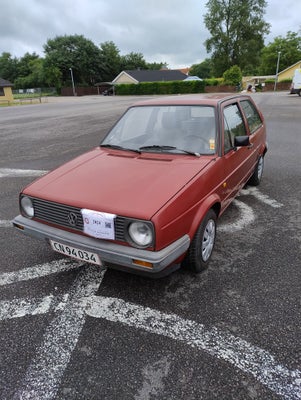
(1, 91)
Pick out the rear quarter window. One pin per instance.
(252, 115)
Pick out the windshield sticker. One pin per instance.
(212, 144)
(99, 224)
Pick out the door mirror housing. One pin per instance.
(241, 141)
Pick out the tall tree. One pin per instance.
(156, 65)
(133, 61)
(76, 52)
(110, 61)
(34, 77)
(202, 70)
(24, 64)
(8, 67)
(237, 30)
(290, 53)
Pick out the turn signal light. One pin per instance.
(143, 263)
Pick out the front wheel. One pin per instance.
(200, 250)
(257, 174)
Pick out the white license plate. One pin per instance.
(74, 252)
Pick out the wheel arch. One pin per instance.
(212, 202)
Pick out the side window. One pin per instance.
(227, 138)
(252, 116)
(233, 126)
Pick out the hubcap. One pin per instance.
(208, 240)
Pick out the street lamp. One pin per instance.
(73, 87)
(277, 69)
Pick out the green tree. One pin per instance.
(8, 67)
(24, 64)
(76, 52)
(133, 61)
(53, 77)
(34, 77)
(290, 53)
(202, 70)
(237, 30)
(156, 65)
(110, 61)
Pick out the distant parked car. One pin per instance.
(296, 83)
(108, 92)
(148, 198)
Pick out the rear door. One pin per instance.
(256, 129)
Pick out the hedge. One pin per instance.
(170, 87)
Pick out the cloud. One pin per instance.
(169, 31)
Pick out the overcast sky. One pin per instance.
(170, 31)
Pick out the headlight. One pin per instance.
(27, 207)
(141, 233)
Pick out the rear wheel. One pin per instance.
(200, 250)
(257, 174)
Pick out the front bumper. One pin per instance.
(111, 254)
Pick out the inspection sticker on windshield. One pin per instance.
(99, 224)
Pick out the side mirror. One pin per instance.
(240, 141)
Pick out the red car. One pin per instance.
(148, 198)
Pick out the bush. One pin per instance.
(213, 81)
(152, 88)
(233, 76)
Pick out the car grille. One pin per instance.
(70, 217)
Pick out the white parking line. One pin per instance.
(250, 359)
(47, 367)
(261, 197)
(245, 218)
(5, 224)
(18, 308)
(38, 271)
(8, 172)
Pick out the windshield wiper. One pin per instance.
(162, 148)
(157, 147)
(115, 146)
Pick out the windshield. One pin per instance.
(178, 129)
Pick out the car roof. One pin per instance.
(191, 99)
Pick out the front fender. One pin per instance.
(213, 201)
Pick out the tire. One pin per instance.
(201, 247)
(257, 174)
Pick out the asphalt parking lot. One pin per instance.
(77, 332)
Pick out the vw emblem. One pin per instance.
(72, 218)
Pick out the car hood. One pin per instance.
(118, 182)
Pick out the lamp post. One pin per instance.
(73, 87)
(277, 69)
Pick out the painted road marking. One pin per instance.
(16, 173)
(5, 224)
(250, 190)
(241, 354)
(45, 372)
(246, 217)
(18, 308)
(38, 271)
(43, 377)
